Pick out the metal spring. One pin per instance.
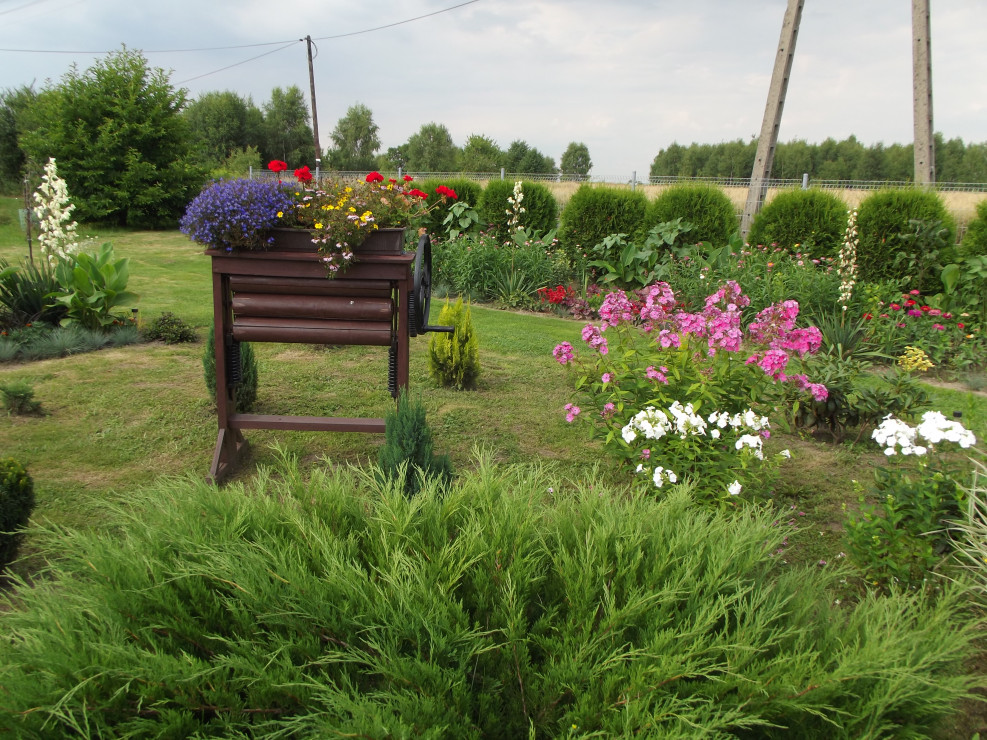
(392, 369)
(234, 372)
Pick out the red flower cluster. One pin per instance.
(303, 174)
(418, 193)
(447, 192)
(276, 165)
(555, 296)
(375, 177)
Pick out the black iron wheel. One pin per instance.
(420, 300)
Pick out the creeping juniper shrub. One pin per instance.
(454, 359)
(246, 389)
(16, 505)
(408, 447)
(170, 329)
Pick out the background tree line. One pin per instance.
(829, 160)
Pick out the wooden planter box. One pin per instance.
(283, 295)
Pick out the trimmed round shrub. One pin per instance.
(814, 219)
(711, 213)
(246, 389)
(975, 238)
(883, 217)
(16, 505)
(593, 213)
(541, 209)
(170, 329)
(467, 191)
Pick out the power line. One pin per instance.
(238, 46)
(237, 64)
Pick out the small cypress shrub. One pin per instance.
(408, 447)
(975, 238)
(709, 210)
(541, 210)
(883, 217)
(246, 389)
(18, 398)
(467, 191)
(170, 329)
(16, 505)
(814, 219)
(594, 213)
(453, 359)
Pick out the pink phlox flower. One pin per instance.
(645, 454)
(657, 374)
(691, 323)
(774, 363)
(803, 341)
(938, 327)
(752, 359)
(616, 308)
(608, 410)
(819, 391)
(572, 411)
(563, 353)
(592, 337)
(668, 338)
(606, 377)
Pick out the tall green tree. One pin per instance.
(480, 154)
(121, 143)
(219, 123)
(526, 160)
(287, 133)
(15, 107)
(355, 141)
(575, 159)
(431, 149)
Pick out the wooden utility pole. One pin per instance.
(27, 218)
(925, 147)
(772, 114)
(315, 114)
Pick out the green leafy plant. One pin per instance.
(18, 398)
(975, 238)
(16, 505)
(92, 287)
(627, 265)
(460, 220)
(25, 293)
(468, 193)
(454, 359)
(809, 221)
(904, 537)
(246, 390)
(407, 454)
(169, 329)
(707, 208)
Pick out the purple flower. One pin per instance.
(235, 214)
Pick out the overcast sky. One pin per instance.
(625, 77)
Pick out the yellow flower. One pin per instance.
(280, 214)
(318, 225)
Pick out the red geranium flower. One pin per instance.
(446, 191)
(408, 178)
(375, 177)
(303, 174)
(276, 165)
(418, 194)
(392, 181)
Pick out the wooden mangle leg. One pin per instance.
(229, 441)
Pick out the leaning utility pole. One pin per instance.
(772, 114)
(925, 147)
(315, 114)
